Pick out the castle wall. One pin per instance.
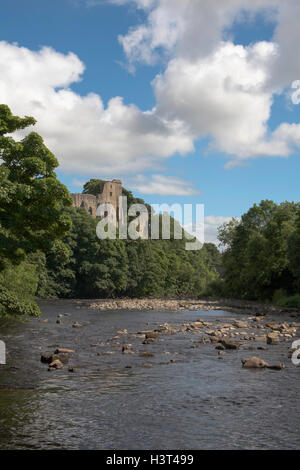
(112, 190)
(87, 201)
(110, 194)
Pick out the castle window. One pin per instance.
(90, 211)
(110, 194)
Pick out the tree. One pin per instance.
(294, 253)
(256, 259)
(31, 197)
(93, 186)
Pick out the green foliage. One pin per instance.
(260, 251)
(94, 187)
(18, 285)
(31, 197)
(290, 302)
(294, 252)
(11, 305)
(31, 215)
(94, 268)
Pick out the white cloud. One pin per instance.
(163, 185)
(222, 95)
(83, 134)
(218, 89)
(287, 68)
(185, 28)
(209, 87)
(211, 224)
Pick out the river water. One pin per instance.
(188, 399)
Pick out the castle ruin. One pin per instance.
(111, 191)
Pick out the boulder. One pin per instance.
(152, 335)
(62, 357)
(56, 364)
(240, 324)
(214, 339)
(46, 357)
(273, 338)
(229, 344)
(197, 325)
(261, 339)
(254, 363)
(211, 332)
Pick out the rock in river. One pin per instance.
(229, 344)
(64, 350)
(254, 363)
(56, 364)
(272, 338)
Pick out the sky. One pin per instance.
(185, 101)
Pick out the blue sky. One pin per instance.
(226, 174)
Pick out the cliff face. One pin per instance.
(111, 192)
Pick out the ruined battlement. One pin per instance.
(111, 191)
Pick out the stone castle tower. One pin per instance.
(111, 191)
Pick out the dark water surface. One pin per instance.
(197, 402)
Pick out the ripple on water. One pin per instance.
(197, 402)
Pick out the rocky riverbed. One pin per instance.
(233, 334)
(173, 305)
(145, 379)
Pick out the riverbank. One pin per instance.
(230, 305)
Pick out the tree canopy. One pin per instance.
(262, 251)
(31, 198)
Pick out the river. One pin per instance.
(188, 399)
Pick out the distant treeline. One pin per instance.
(261, 260)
